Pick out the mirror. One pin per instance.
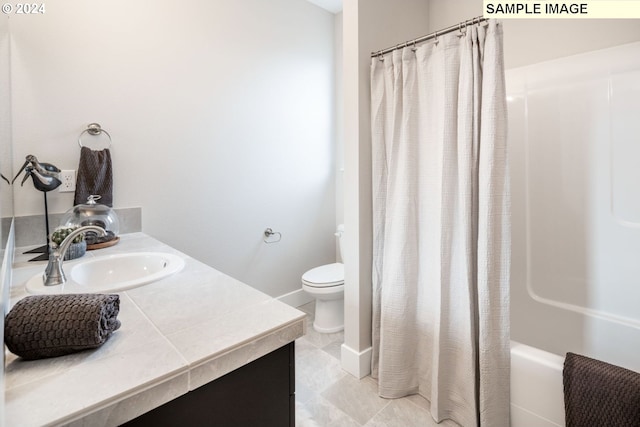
(6, 190)
(6, 170)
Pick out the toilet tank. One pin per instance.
(339, 233)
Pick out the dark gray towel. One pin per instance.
(41, 326)
(95, 176)
(599, 394)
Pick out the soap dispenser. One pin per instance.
(93, 213)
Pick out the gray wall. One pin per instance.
(221, 115)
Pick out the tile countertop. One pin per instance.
(177, 334)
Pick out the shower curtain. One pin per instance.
(441, 219)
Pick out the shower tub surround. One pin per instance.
(177, 334)
(573, 147)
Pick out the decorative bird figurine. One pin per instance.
(44, 175)
(45, 179)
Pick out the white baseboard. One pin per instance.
(356, 363)
(296, 298)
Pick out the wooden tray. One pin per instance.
(104, 244)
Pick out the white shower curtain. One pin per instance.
(442, 226)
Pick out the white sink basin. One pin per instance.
(111, 273)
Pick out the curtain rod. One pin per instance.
(459, 26)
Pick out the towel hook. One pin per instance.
(94, 129)
(268, 233)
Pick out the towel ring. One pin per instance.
(268, 233)
(95, 130)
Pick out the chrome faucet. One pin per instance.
(53, 274)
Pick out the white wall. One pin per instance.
(339, 115)
(528, 41)
(221, 115)
(368, 25)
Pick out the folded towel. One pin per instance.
(599, 394)
(95, 176)
(41, 326)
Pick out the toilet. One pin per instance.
(326, 285)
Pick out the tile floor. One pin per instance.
(327, 396)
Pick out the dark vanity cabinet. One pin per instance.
(259, 394)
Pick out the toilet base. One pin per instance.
(329, 317)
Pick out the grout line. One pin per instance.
(381, 409)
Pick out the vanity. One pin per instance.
(195, 348)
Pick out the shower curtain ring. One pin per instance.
(435, 39)
(462, 33)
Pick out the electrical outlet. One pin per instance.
(68, 179)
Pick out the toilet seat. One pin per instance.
(325, 276)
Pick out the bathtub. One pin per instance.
(575, 222)
(537, 398)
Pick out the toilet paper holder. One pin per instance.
(269, 232)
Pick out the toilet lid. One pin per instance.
(325, 275)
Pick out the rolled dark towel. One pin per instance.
(42, 326)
